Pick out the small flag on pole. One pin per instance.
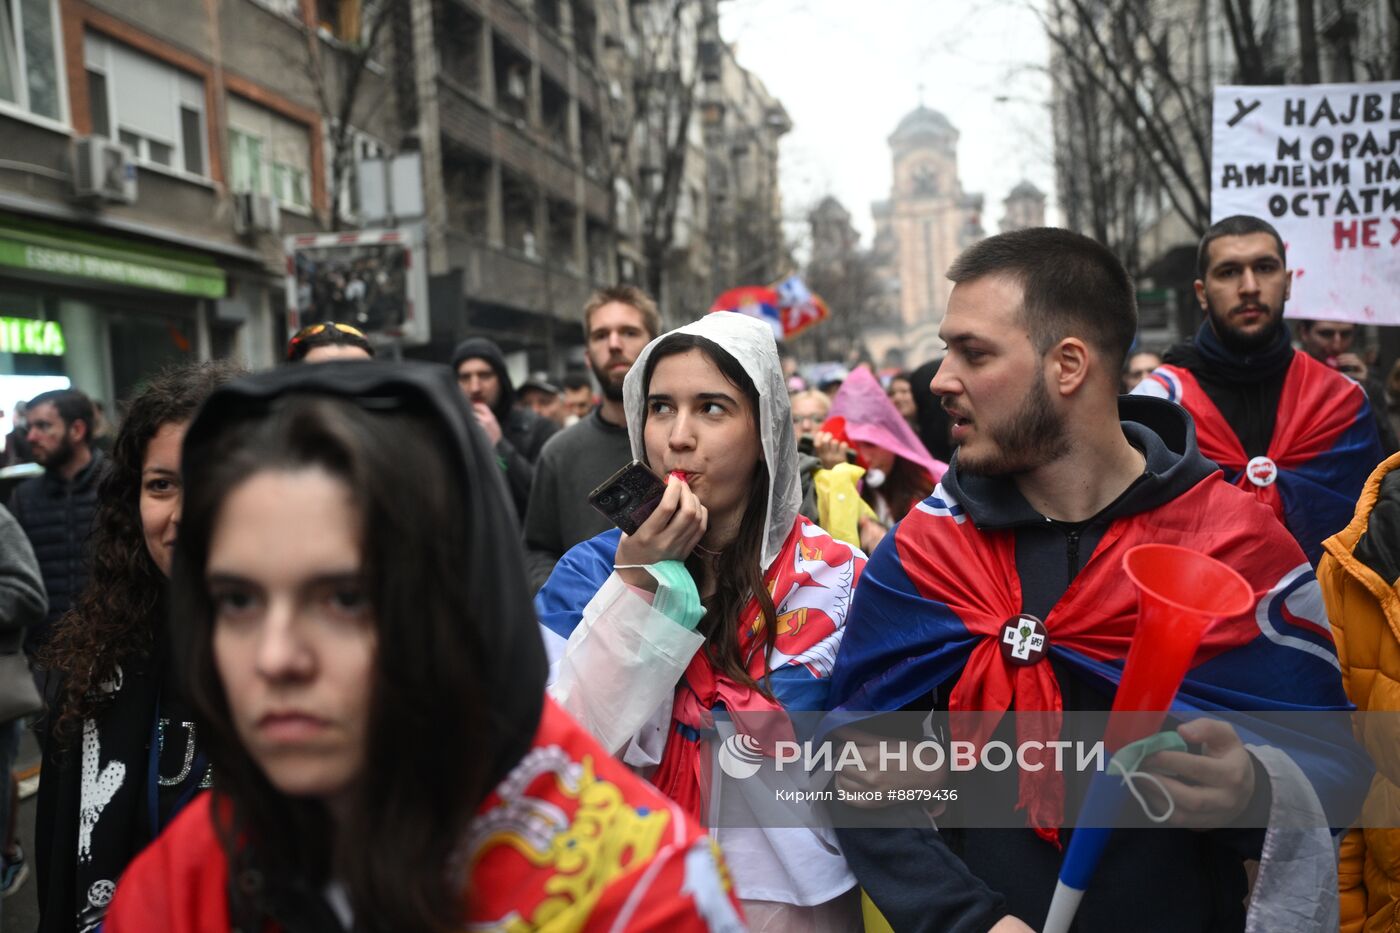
(755, 301)
(800, 307)
(788, 307)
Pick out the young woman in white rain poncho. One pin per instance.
(725, 599)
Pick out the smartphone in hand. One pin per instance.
(629, 496)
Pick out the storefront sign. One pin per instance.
(41, 252)
(26, 335)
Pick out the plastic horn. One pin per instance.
(1181, 593)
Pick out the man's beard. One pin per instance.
(1243, 344)
(1034, 436)
(60, 456)
(612, 391)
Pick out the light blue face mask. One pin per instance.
(1129, 760)
(676, 595)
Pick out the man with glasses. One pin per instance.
(327, 340)
(809, 410)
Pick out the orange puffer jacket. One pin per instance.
(1363, 603)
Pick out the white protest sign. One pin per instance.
(1321, 163)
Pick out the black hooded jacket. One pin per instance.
(523, 432)
(57, 516)
(493, 572)
(961, 881)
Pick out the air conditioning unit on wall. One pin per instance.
(255, 213)
(103, 170)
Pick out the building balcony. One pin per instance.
(509, 279)
(468, 121)
(553, 57)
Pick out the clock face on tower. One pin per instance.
(925, 179)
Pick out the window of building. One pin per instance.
(591, 146)
(599, 247)
(156, 111)
(562, 218)
(518, 197)
(352, 22)
(512, 80)
(585, 32)
(467, 178)
(548, 13)
(459, 46)
(30, 76)
(269, 154)
(554, 111)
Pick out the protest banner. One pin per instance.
(1322, 164)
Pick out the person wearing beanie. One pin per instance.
(516, 432)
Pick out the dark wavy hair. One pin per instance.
(428, 736)
(739, 570)
(118, 612)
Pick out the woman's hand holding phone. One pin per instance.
(671, 532)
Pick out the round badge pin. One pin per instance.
(1261, 471)
(1024, 640)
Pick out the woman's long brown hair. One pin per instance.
(119, 610)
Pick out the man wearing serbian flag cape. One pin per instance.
(1051, 484)
(1297, 434)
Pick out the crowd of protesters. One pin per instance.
(345, 645)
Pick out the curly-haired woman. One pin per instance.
(122, 755)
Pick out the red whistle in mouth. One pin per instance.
(680, 475)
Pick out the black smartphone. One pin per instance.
(629, 496)
(807, 445)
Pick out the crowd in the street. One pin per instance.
(351, 644)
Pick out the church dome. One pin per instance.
(1025, 191)
(924, 123)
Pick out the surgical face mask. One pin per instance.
(1127, 763)
(875, 478)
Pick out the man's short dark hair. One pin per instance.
(1238, 225)
(577, 380)
(1071, 286)
(70, 404)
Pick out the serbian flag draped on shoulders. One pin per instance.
(937, 592)
(811, 581)
(1324, 446)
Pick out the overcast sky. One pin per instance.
(849, 70)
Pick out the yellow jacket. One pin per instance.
(1364, 610)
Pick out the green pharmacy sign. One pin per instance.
(26, 335)
(34, 247)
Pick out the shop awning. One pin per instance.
(64, 251)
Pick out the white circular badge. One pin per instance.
(1261, 471)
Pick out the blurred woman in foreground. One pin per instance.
(361, 644)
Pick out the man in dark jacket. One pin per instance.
(1331, 342)
(1053, 481)
(618, 323)
(1293, 432)
(517, 432)
(56, 509)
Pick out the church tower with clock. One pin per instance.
(926, 222)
